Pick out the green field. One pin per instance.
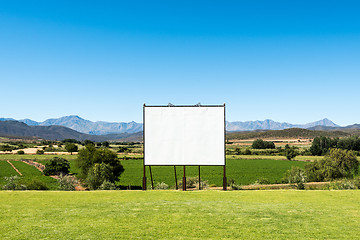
(180, 215)
(28, 172)
(243, 171)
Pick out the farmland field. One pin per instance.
(242, 171)
(29, 173)
(180, 215)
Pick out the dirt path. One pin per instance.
(14, 168)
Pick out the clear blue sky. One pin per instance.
(293, 61)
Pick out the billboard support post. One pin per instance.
(176, 185)
(199, 179)
(144, 179)
(184, 180)
(224, 180)
(152, 182)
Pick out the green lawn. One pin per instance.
(180, 215)
(243, 171)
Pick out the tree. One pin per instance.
(106, 144)
(90, 155)
(87, 142)
(71, 147)
(336, 164)
(290, 152)
(321, 145)
(261, 144)
(98, 174)
(57, 166)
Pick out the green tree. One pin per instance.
(290, 152)
(336, 164)
(90, 155)
(98, 174)
(261, 144)
(57, 166)
(321, 145)
(71, 147)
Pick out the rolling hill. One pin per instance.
(20, 129)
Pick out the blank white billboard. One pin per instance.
(184, 135)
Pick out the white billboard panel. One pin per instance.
(184, 135)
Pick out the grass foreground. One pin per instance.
(172, 214)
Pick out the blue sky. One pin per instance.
(290, 61)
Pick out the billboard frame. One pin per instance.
(144, 183)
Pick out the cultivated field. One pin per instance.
(269, 214)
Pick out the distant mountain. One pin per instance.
(85, 126)
(287, 133)
(20, 129)
(272, 125)
(99, 128)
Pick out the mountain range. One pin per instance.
(101, 127)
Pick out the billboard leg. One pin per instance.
(199, 180)
(144, 180)
(152, 183)
(224, 180)
(176, 185)
(184, 180)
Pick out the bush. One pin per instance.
(161, 186)
(106, 185)
(21, 152)
(296, 176)
(342, 185)
(262, 181)
(66, 183)
(12, 183)
(40, 152)
(336, 164)
(193, 182)
(57, 166)
(247, 152)
(35, 184)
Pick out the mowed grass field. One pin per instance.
(173, 214)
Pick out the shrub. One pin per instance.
(40, 152)
(35, 184)
(12, 183)
(57, 166)
(342, 185)
(193, 182)
(162, 186)
(296, 176)
(20, 152)
(106, 185)
(262, 181)
(247, 152)
(66, 183)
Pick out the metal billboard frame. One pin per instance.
(144, 184)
